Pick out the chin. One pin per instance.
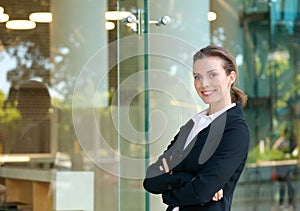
(206, 101)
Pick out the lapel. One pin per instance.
(214, 137)
(183, 134)
(177, 148)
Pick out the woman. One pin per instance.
(202, 165)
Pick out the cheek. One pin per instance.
(225, 86)
(196, 84)
(223, 82)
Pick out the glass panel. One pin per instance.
(26, 112)
(71, 58)
(173, 99)
(152, 69)
(79, 44)
(271, 43)
(129, 103)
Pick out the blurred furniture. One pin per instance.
(49, 190)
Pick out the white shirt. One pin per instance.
(201, 121)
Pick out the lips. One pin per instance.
(206, 93)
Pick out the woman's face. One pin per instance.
(211, 82)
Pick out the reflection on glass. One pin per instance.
(33, 103)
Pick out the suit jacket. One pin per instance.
(214, 160)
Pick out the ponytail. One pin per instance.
(238, 96)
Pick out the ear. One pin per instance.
(232, 77)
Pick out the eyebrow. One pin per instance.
(209, 71)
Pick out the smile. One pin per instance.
(207, 93)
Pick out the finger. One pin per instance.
(216, 197)
(161, 168)
(220, 196)
(165, 164)
(220, 193)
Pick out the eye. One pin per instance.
(212, 75)
(197, 77)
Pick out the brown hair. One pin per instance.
(229, 64)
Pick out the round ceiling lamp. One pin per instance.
(20, 24)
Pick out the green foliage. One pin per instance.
(269, 154)
(9, 114)
(9, 122)
(296, 85)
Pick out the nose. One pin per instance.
(204, 82)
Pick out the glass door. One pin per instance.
(134, 93)
(132, 102)
(152, 85)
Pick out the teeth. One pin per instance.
(207, 92)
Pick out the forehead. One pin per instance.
(207, 64)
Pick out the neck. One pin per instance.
(215, 108)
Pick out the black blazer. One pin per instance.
(214, 160)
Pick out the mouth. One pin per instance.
(207, 93)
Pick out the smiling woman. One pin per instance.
(202, 165)
(213, 85)
(215, 73)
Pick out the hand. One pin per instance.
(165, 166)
(218, 195)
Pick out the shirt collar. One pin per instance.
(218, 113)
(203, 114)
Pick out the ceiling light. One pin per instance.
(109, 25)
(3, 17)
(41, 17)
(133, 26)
(14, 158)
(1, 10)
(211, 16)
(20, 24)
(116, 15)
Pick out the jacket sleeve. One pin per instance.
(217, 171)
(165, 182)
(157, 181)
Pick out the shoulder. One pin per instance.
(236, 112)
(235, 117)
(236, 127)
